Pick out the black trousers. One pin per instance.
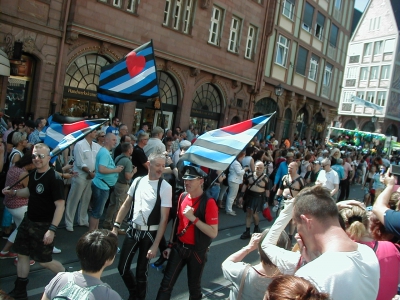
(178, 258)
(344, 189)
(136, 240)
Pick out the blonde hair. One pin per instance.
(394, 201)
(356, 221)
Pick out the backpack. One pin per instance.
(72, 291)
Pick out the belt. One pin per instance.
(144, 227)
(186, 246)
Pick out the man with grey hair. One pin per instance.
(155, 144)
(34, 136)
(149, 201)
(328, 178)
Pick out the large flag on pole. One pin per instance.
(362, 102)
(134, 78)
(218, 148)
(63, 132)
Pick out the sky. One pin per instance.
(361, 4)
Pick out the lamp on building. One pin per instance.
(278, 90)
(374, 119)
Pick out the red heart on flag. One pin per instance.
(134, 63)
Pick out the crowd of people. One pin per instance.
(306, 185)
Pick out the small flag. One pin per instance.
(362, 102)
(218, 148)
(133, 78)
(63, 132)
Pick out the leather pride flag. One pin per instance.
(218, 148)
(134, 78)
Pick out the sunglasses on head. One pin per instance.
(35, 156)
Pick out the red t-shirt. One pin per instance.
(211, 218)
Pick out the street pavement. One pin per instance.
(213, 283)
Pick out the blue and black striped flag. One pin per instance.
(133, 78)
(218, 148)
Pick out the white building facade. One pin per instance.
(372, 71)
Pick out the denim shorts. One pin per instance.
(100, 197)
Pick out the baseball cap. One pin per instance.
(192, 172)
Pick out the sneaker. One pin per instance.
(9, 254)
(245, 235)
(70, 229)
(84, 225)
(56, 250)
(231, 213)
(31, 262)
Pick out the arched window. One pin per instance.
(168, 92)
(266, 106)
(301, 123)
(286, 124)
(84, 72)
(350, 124)
(392, 130)
(369, 127)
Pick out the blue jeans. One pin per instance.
(100, 197)
(214, 192)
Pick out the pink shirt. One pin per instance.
(389, 263)
(347, 168)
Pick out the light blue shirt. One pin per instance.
(340, 170)
(104, 158)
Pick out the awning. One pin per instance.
(4, 64)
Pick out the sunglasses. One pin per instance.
(102, 135)
(41, 156)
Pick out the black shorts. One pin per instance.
(29, 241)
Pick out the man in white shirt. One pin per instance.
(328, 178)
(335, 264)
(155, 145)
(85, 153)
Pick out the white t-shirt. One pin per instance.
(328, 179)
(345, 275)
(146, 197)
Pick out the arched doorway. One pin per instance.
(350, 124)
(392, 130)
(150, 112)
(206, 107)
(80, 88)
(286, 123)
(301, 123)
(266, 106)
(368, 127)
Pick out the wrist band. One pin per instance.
(116, 224)
(195, 221)
(53, 227)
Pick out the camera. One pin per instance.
(394, 170)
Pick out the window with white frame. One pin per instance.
(375, 24)
(364, 73)
(347, 96)
(132, 6)
(251, 41)
(360, 94)
(167, 9)
(282, 50)
(288, 8)
(177, 14)
(301, 64)
(338, 4)
(117, 3)
(389, 46)
(319, 26)
(370, 97)
(327, 74)
(351, 72)
(312, 74)
(308, 15)
(381, 98)
(234, 35)
(188, 16)
(215, 26)
(378, 48)
(367, 49)
(373, 74)
(385, 72)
